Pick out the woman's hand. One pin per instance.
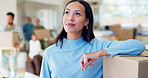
(88, 58)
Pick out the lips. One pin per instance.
(70, 24)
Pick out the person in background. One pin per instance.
(28, 31)
(76, 47)
(33, 64)
(10, 26)
(39, 26)
(34, 46)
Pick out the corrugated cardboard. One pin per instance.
(42, 33)
(142, 38)
(115, 27)
(8, 40)
(125, 66)
(144, 53)
(124, 34)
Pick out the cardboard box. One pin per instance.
(144, 53)
(142, 38)
(8, 40)
(42, 33)
(115, 27)
(124, 34)
(125, 66)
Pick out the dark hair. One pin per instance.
(106, 27)
(11, 14)
(87, 33)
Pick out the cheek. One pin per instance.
(64, 20)
(10, 20)
(81, 22)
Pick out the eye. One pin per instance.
(67, 13)
(77, 14)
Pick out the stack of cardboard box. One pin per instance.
(115, 28)
(42, 34)
(122, 33)
(125, 66)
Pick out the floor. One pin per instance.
(20, 73)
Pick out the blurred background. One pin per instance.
(128, 13)
(113, 20)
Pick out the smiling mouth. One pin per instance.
(70, 25)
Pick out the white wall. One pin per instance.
(7, 6)
(32, 7)
(50, 2)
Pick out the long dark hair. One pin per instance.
(87, 33)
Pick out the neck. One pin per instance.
(34, 40)
(38, 25)
(29, 22)
(73, 36)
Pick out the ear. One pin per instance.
(86, 22)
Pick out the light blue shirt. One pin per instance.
(64, 62)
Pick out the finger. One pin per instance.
(85, 61)
(90, 64)
(81, 62)
(92, 61)
(86, 65)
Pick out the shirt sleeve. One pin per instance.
(128, 47)
(21, 36)
(2, 28)
(45, 69)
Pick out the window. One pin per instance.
(128, 13)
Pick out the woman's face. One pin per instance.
(74, 18)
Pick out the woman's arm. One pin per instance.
(112, 48)
(128, 47)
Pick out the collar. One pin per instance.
(73, 44)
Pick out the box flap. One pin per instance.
(137, 58)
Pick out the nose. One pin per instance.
(71, 17)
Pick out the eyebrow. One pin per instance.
(75, 10)
(67, 9)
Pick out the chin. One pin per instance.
(70, 31)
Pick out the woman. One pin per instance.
(34, 46)
(77, 48)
